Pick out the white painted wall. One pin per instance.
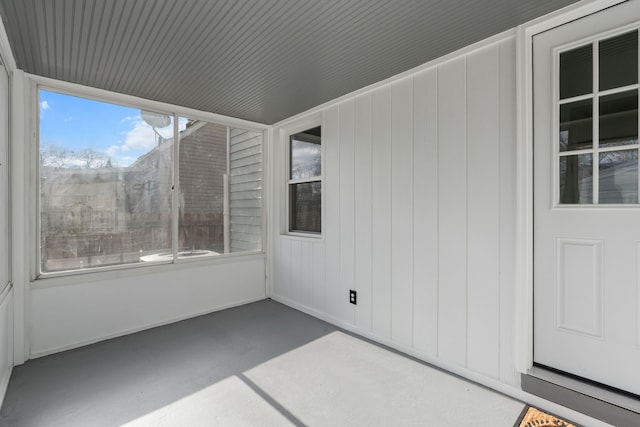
(419, 205)
(79, 310)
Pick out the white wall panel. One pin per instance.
(419, 214)
(319, 283)
(283, 284)
(507, 150)
(483, 212)
(331, 199)
(347, 210)
(425, 212)
(363, 211)
(381, 211)
(452, 205)
(72, 315)
(306, 273)
(296, 269)
(402, 211)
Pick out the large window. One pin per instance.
(305, 181)
(115, 187)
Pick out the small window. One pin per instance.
(305, 181)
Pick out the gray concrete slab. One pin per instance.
(260, 364)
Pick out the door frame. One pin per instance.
(524, 168)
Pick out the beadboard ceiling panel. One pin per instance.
(260, 60)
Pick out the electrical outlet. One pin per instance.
(353, 297)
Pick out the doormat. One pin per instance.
(533, 417)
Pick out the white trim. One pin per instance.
(175, 187)
(5, 50)
(524, 167)
(80, 277)
(492, 383)
(20, 230)
(267, 180)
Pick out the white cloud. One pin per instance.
(141, 137)
(113, 150)
(45, 105)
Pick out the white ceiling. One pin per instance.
(260, 60)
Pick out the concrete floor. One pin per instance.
(261, 364)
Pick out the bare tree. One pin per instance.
(60, 157)
(53, 155)
(92, 159)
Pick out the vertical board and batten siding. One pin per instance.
(363, 266)
(419, 215)
(452, 211)
(425, 213)
(381, 211)
(245, 190)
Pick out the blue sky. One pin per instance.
(77, 124)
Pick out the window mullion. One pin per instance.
(175, 189)
(596, 123)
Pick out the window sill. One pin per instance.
(136, 270)
(303, 236)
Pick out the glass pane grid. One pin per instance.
(305, 181)
(598, 159)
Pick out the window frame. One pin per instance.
(595, 150)
(37, 83)
(301, 125)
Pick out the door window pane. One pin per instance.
(619, 61)
(619, 119)
(619, 177)
(305, 154)
(576, 125)
(576, 72)
(306, 207)
(576, 179)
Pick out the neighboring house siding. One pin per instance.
(203, 163)
(245, 190)
(419, 215)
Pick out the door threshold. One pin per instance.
(598, 401)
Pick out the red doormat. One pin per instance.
(533, 417)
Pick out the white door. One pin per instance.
(586, 211)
